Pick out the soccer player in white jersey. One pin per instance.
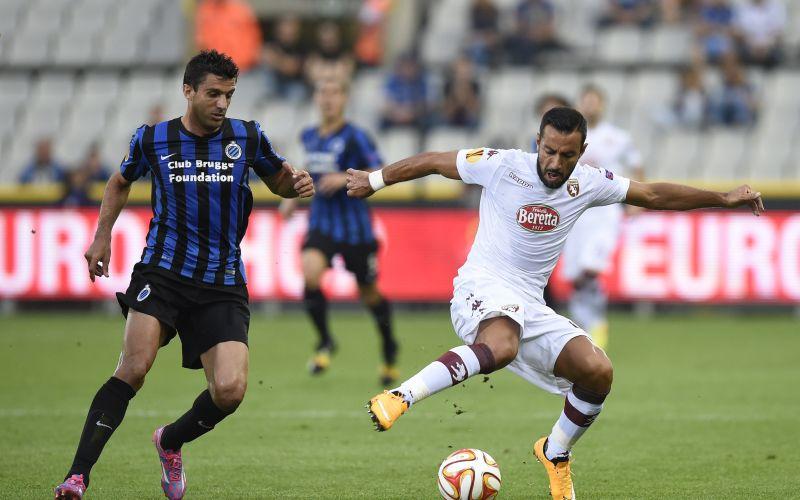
(529, 202)
(593, 239)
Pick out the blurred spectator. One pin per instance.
(641, 13)
(43, 168)
(79, 182)
(734, 103)
(406, 95)
(371, 31)
(547, 102)
(759, 27)
(285, 57)
(155, 114)
(689, 106)
(534, 32)
(485, 37)
(330, 59)
(461, 104)
(714, 30)
(675, 11)
(229, 26)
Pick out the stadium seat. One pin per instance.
(102, 86)
(620, 46)
(165, 45)
(75, 49)
(670, 45)
(722, 154)
(29, 49)
(768, 158)
(449, 139)
(398, 144)
(510, 95)
(366, 108)
(447, 28)
(677, 156)
(118, 48)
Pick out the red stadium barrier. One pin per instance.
(715, 256)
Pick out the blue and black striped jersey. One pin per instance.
(343, 219)
(201, 198)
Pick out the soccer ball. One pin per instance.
(469, 474)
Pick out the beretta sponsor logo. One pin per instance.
(537, 218)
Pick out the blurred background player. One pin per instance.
(339, 224)
(190, 280)
(591, 243)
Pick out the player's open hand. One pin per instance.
(98, 256)
(745, 195)
(330, 183)
(301, 181)
(358, 184)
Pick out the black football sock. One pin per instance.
(382, 312)
(317, 308)
(105, 414)
(201, 418)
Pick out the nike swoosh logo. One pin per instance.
(168, 156)
(101, 424)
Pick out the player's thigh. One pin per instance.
(144, 334)
(314, 263)
(545, 335)
(217, 338)
(501, 335)
(362, 261)
(489, 312)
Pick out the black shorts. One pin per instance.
(361, 259)
(203, 315)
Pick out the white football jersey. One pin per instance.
(524, 224)
(612, 148)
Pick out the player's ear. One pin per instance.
(538, 141)
(187, 91)
(583, 148)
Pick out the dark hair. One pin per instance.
(559, 99)
(565, 120)
(209, 61)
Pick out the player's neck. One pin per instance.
(193, 126)
(331, 126)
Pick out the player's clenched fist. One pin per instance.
(98, 256)
(358, 185)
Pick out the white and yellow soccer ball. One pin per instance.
(469, 474)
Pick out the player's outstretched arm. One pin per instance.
(115, 197)
(290, 183)
(667, 196)
(361, 184)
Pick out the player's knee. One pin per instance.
(133, 371)
(598, 373)
(229, 393)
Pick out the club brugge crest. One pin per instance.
(144, 293)
(573, 188)
(233, 151)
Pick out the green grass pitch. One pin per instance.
(702, 407)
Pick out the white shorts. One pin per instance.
(544, 333)
(591, 243)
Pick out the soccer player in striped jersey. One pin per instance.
(191, 279)
(339, 224)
